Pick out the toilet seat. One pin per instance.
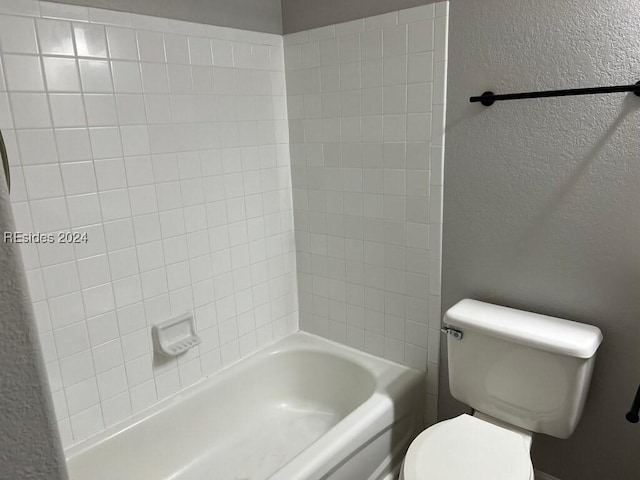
(468, 448)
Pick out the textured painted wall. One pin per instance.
(29, 443)
(541, 199)
(257, 15)
(298, 15)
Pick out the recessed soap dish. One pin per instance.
(175, 336)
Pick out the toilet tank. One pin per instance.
(526, 369)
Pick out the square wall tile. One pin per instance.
(101, 110)
(222, 51)
(66, 310)
(394, 40)
(50, 215)
(154, 78)
(105, 142)
(61, 74)
(31, 110)
(421, 36)
(95, 76)
(200, 51)
(23, 73)
(17, 35)
(73, 144)
(126, 77)
(130, 108)
(122, 43)
(150, 46)
(110, 174)
(72, 339)
(84, 210)
(43, 181)
(176, 49)
(91, 40)
(135, 140)
(67, 110)
(55, 37)
(79, 177)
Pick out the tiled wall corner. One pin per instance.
(166, 143)
(366, 103)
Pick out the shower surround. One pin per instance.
(168, 144)
(165, 142)
(366, 103)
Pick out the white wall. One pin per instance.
(166, 143)
(366, 103)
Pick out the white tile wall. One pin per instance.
(366, 104)
(166, 143)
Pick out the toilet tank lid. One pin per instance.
(542, 332)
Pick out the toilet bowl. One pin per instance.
(522, 373)
(468, 447)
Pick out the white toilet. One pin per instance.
(521, 373)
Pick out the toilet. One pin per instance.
(521, 373)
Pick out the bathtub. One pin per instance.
(303, 408)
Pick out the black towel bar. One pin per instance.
(488, 98)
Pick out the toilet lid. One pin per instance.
(466, 448)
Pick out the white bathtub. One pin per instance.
(303, 408)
